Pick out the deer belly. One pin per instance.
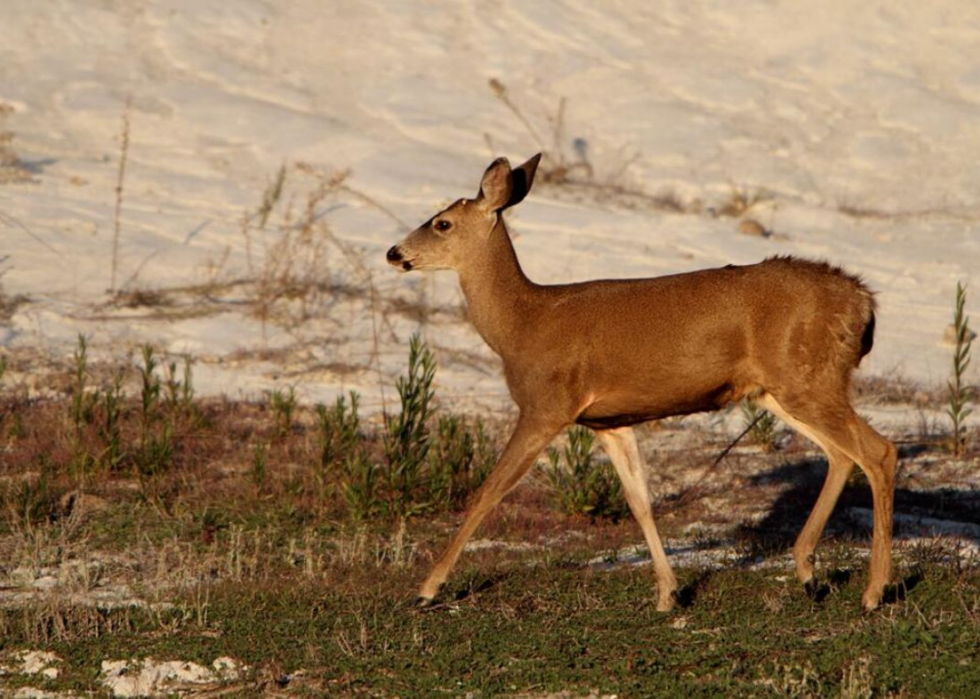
(620, 411)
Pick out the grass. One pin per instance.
(538, 629)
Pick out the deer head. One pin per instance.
(460, 232)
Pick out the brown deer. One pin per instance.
(608, 354)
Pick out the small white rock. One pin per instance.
(38, 662)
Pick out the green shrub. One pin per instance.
(406, 438)
(360, 486)
(283, 405)
(960, 394)
(761, 426)
(111, 430)
(338, 429)
(581, 486)
(83, 401)
(459, 461)
(259, 463)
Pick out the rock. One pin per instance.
(949, 335)
(33, 662)
(750, 226)
(80, 505)
(134, 678)
(35, 693)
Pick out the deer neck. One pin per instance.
(498, 295)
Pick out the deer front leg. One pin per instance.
(620, 445)
(530, 436)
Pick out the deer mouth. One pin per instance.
(397, 259)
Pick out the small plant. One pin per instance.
(460, 460)
(283, 405)
(406, 438)
(3, 370)
(83, 401)
(32, 502)
(741, 200)
(156, 450)
(584, 487)
(83, 404)
(111, 431)
(150, 389)
(156, 456)
(259, 462)
(960, 394)
(338, 429)
(360, 485)
(180, 391)
(120, 181)
(271, 196)
(761, 426)
(187, 385)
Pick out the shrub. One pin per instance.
(761, 426)
(360, 486)
(283, 405)
(338, 429)
(406, 438)
(960, 394)
(460, 460)
(583, 487)
(83, 401)
(111, 431)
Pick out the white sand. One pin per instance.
(842, 104)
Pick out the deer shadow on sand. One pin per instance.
(919, 513)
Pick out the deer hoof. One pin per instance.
(667, 603)
(871, 601)
(423, 602)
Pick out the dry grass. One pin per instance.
(8, 304)
(13, 170)
(120, 183)
(741, 201)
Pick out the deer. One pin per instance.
(608, 354)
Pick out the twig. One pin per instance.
(124, 156)
(688, 494)
(9, 220)
(375, 203)
(500, 90)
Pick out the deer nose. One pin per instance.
(394, 255)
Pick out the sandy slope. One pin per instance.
(839, 105)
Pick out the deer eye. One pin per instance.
(443, 225)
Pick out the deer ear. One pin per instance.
(497, 185)
(521, 180)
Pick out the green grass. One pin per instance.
(560, 628)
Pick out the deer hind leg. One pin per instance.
(841, 429)
(620, 445)
(529, 438)
(839, 468)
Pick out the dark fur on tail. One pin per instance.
(868, 338)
